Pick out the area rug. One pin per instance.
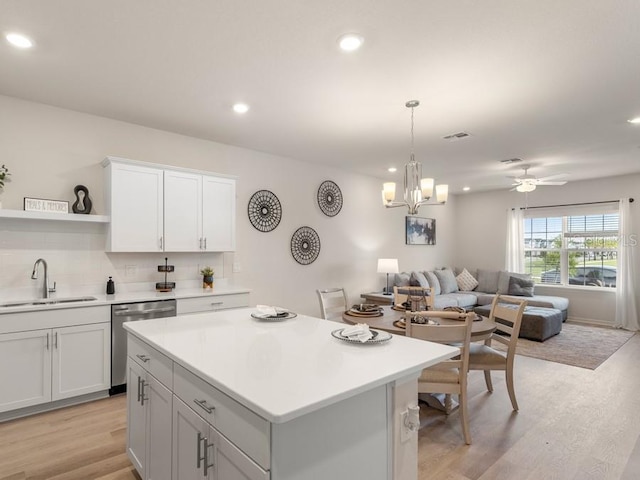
(578, 345)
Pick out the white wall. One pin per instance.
(50, 150)
(484, 216)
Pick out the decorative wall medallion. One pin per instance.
(329, 198)
(305, 245)
(265, 211)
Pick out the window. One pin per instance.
(572, 249)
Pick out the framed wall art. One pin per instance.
(420, 231)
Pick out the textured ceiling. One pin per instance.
(551, 82)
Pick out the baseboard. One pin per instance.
(590, 322)
(45, 407)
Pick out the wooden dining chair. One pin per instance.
(507, 314)
(333, 303)
(418, 295)
(450, 376)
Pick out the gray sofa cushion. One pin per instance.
(419, 280)
(433, 282)
(487, 281)
(537, 323)
(458, 299)
(401, 279)
(447, 281)
(560, 303)
(522, 287)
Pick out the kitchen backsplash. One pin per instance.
(78, 263)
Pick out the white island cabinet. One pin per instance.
(285, 400)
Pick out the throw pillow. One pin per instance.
(487, 281)
(401, 279)
(419, 280)
(447, 280)
(504, 277)
(466, 282)
(521, 287)
(433, 282)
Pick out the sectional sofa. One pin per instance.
(543, 317)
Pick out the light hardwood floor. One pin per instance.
(573, 424)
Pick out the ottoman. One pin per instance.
(538, 323)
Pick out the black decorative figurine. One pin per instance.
(83, 202)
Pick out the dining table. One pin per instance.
(392, 320)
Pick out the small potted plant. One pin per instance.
(4, 173)
(207, 277)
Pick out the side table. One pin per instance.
(378, 298)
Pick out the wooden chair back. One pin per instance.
(507, 313)
(333, 303)
(420, 297)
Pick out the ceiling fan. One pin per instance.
(528, 183)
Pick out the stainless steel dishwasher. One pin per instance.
(131, 312)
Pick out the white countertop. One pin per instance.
(127, 297)
(284, 369)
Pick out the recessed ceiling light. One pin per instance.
(19, 41)
(634, 120)
(392, 169)
(240, 108)
(350, 42)
(466, 189)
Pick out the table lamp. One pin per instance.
(387, 265)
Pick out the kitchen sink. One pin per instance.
(47, 301)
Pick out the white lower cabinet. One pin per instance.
(212, 303)
(53, 364)
(200, 451)
(149, 424)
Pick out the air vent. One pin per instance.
(509, 161)
(457, 136)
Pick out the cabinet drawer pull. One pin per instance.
(203, 405)
(144, 358)
(213, 304)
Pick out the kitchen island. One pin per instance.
(226, 396)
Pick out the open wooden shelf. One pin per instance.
(58, 217)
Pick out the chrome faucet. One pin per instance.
(45, 287)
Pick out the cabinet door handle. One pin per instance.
(200, 243)
(143, 384)
(139, 379)
(199, 457)
(47, 340)
(144, 358)
(161, 243)
(55, 340)
(203, 405)
(205, 243)
(207, 466)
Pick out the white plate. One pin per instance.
(379, 336)
(276, 318)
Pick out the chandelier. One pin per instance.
(417, 190)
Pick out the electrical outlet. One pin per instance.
(130, 270)
(237, 268)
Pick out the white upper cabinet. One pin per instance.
(182, 211)
(218, 214)
(155, 208)
(134, 196)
